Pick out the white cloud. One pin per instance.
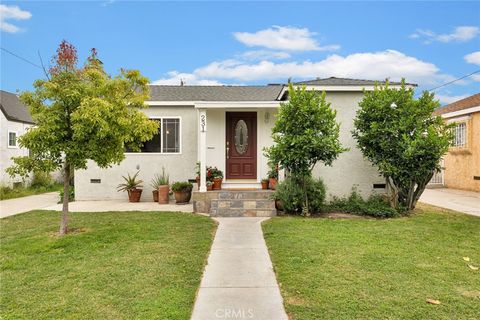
(473, 58)
(370, 65)
(175, 78)
(283, 38)
(447, 99)
(12, 13)
(264, 55)
(459, 34)
(475, 77)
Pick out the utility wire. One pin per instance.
(446, 84)
(21, 58)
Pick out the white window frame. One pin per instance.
(161, 137)
(460, 135)
(16, 140)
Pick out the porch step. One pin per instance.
(236, 206)
(235, 203)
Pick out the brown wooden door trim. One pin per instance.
(241, 166)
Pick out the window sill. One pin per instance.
(460, 150)
(153, 153)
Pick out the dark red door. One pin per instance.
(241, 145)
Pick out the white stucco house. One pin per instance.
(15, 121)
(203, 123)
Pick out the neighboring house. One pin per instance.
(15, 120)
(462, 162)
(228, 127)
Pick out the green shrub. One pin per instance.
(41, 179)
(182, 186)
(71, 195)
(374, 206)
(290, 192)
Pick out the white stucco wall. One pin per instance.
(180, 167)
(8, 152)
(350, 168)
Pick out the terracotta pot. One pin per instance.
(217, 183)
(209, 187)
(134, 195)
(198, 182)
(279, 205)
(264, 185)
(155, 195)
(182, 196)
(272, 183)
(163, 194)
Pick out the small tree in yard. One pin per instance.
(305, 133)
(400, 136)
(80, 114)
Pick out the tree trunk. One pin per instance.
(306, 212)
(66, 193)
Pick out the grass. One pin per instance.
(116, 265)
(378, 269)
(18, 192)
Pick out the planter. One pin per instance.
(182, 196)
(198, 182)
(264, 185)
(279, 205)
(272, 183)
(134, 195)
(209, 187)
(163, 194)
(155, 195)
(217, 183)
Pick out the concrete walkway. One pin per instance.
(11, 207)
(463, 201)
(239, 282)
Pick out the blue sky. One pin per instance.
(429, 43)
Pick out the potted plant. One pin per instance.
(155, 184)
(273, 178)
(217, 177)
(197, 172)
(132, 186)
(182, 192)
(209, 185)
(264, 184)
(163, 187)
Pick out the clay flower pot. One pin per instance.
(155, 195)
(182, 196)
(210, 187)
(264, 184)
(134, 195)
(217, 183)
(272, 183)
(163, 194)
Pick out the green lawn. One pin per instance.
(378, 269)
(117, 265)
(18, 192)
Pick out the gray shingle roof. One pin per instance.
(332, 81)
(214, 93)
(13, 109)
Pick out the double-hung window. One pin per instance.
(167, 139)
(12, 139)
(460, 135)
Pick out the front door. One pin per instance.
(241, 145)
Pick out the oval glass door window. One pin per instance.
(241, 137)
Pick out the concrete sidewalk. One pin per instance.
(12, 207)
(239, 282)
(463, 201)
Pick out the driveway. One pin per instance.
(463, 201)
(11, 207)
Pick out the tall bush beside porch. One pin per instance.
(305, 133)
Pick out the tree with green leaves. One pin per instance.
(401, 137)
(305, 133)
(80, 114)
